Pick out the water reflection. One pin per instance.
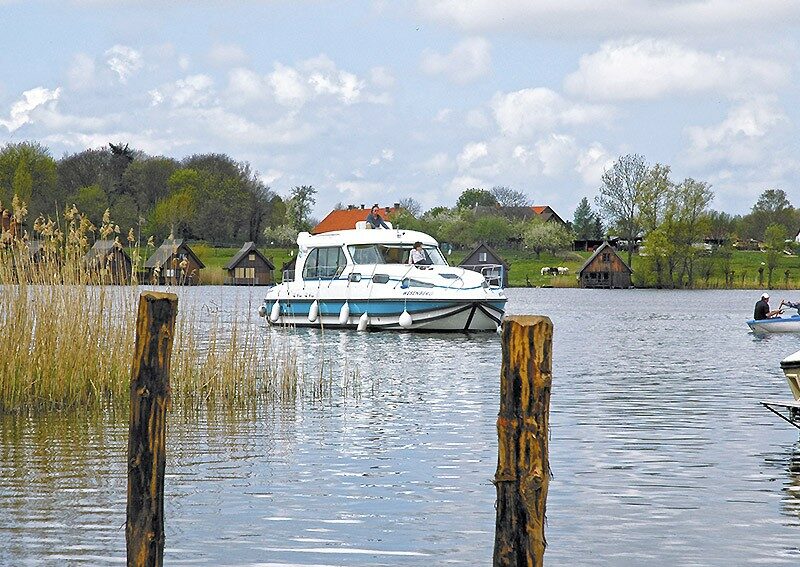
(660, 452)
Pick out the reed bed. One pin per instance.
(67, 334)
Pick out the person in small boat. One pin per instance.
(762, 311)
(417, 256)
(374, 218)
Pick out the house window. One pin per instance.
(483, 257)
(252, 257)
(606, 257)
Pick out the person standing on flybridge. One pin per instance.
(374, 219)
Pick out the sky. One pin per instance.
(383, 100)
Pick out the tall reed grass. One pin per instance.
(67, 335)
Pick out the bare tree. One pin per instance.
(508, 197)
(619, 198)
(411, 205)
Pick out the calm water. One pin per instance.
(660, 452)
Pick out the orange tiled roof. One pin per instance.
(539, 209)
(346, 219)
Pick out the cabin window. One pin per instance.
(252, 256)
(391, 254)
(324, 263)
(606, 257)
(245, 273)
(483, 257)
(380, 278)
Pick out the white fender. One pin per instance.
(344, 313)
(363, 321)
(313, 311)
(275, 312)
(405, 319)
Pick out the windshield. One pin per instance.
(391, 254)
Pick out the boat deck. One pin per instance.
(787, 410)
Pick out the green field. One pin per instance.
(526, 268)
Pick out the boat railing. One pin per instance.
(287, 276)
(494, 274)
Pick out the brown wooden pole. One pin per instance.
(523, 470)
(150, 395)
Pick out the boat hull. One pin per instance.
(425, 315)
(776, 325)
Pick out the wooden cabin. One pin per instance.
(108, 260)
(486, 261)
(173, 263)
(250, 267)
(605, 269)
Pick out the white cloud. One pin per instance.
(150, 141)
(387, 154)
(471, 153)
(579, 18)
(459, 183)
(194, 90)
(468, 61)
(437, 164)
(124, 61)
(31, 100)
(557, 154)
(226, 54)
(592, 163)
(524, 112)
(288, 86)
(271, 176)
(651, 68)
(81, 72)
(361, 189)
(742, 137)
(443, 115)
(245, 85)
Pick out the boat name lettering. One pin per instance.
(414, 292)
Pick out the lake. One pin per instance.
(660, 451)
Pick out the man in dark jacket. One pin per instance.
(374, 218)
(762, 311)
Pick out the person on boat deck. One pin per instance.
(417, 255)
(374, 218)
(762, 311)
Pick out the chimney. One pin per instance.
(349, 207)
(397, 206)
(362, 206)
(387, 210)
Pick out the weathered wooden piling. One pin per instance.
(150, 395)
(523, 471)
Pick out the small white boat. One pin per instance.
(776, 325)
(361, 279)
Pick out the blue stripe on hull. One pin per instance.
(376, 307)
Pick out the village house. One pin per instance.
(346, 219)
(605, 269)
(173, 263)
(108, 261)
(250, 267)
(542, 212)
(485, 260)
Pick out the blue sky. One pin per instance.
(376, 101)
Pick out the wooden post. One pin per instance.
(150, 393)
(523, 471)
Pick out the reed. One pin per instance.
(67, 333)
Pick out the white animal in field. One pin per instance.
(562, 271)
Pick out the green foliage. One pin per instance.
(775, 242)
(92, 201)
(28, 169)
(298, 209)
(772, 207)
(508, 197)
(550, 236)
(471, 198)
(586, 224)
(620, 196)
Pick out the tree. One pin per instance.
(92, 201)
(620, 197)
(550, 236)
(585, 223)
(79, 170)
(28, 167)
(772, 207)
(146, 179)
(775, 242)
(411, 205)
(653, 196)
(298, 209)
(472, 198)
(508, 197)
(690, 202)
